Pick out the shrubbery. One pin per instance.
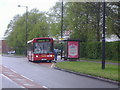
(20, 50)
(93, 50)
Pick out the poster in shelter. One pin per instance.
(73, 49)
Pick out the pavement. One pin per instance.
(100, 62)
(59, 60)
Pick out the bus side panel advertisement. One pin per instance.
(73, 49)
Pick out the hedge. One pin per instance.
(93, 50)
(20, 50)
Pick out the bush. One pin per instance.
(20, 50)
(112, 50)
(93, 50)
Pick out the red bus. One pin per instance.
(40, 49)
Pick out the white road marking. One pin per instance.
(44, 86)
(21, 80)
(27, 78)
(27, 84)
(13, 70)
(11, 75)
(52, 65)
(11, 80)
(17, 73)
(7, 72)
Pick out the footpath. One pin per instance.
(59, 60)
(99, 62)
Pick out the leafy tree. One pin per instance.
(78, 20)
(55, 19)
(37, 27)
(83, 19)
(113, 19)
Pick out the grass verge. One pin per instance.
(110, 61)
(91, 68)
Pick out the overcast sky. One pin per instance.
(9, 8)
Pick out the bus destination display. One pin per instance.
(43, 40)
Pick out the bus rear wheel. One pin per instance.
(49, 61)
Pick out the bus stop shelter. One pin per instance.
(71, 49)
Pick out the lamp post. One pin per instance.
(26, 25)
(61, 28)
(103, 36)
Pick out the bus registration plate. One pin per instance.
(43, 59)
(43, 55)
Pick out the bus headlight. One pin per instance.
(36, 55)
(49, 55)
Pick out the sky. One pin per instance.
(9, 8)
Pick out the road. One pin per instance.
(19, 73)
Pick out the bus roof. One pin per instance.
(43, 38)
(38, 38)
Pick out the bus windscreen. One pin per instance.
(42, 47)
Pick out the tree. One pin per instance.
(85, 20)
(37, 27)
(54, 16)
(79, 20)
(113, 19)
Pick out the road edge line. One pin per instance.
(11, 80)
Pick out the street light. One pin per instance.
(26, 24)
(103, 36)
(61, 28)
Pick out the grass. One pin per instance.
(110, 61)
(91, 68)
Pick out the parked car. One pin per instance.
(11, 52)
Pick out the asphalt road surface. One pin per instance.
(20, 73)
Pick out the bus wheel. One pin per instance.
(47, 61)
(50, 61)
(29, 60)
